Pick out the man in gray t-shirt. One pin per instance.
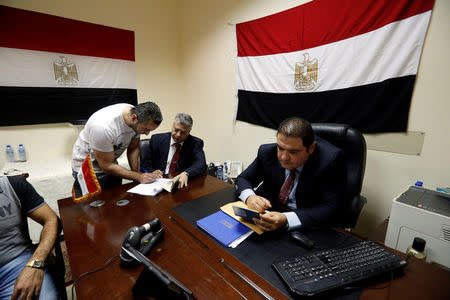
(22, 270)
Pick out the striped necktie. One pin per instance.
(175, 157)
(286, 189)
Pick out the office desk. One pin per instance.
(93, 235)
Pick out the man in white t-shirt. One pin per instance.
(107, 134)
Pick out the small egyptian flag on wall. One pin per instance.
(54, 69)
(87, 181)
(349, 61)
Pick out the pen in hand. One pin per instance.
(156, 173)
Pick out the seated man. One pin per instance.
(22, 271)
(303, 179)
(175, 152)
(107, 134)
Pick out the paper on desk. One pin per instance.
(237, 241)
(149, 189)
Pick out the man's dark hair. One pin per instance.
(147, 111)
(297, 127)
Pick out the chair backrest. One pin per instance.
(144, 149)
(352, 142)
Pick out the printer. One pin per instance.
(424, 213)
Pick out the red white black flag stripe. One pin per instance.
(350, 61)
(54, 69)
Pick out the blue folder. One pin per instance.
(222, 227)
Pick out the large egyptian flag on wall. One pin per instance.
(348, 61)
(54, 69)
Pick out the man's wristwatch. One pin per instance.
(187, 174)
(38, 264)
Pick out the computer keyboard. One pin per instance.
(332, 268)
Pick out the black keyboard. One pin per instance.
(332, 268)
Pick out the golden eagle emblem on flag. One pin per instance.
(65, 72)
(306, 73)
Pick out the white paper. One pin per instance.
(149, 189)
(239, 240)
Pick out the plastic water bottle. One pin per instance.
(225, 172)
(9, 153)
(219, 173)
(22, 153)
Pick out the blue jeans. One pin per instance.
(10, 272)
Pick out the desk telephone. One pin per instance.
(142, 239)
(153, 281)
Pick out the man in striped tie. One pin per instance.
(300, 180)
(175, 152)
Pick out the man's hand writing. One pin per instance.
(151, 177)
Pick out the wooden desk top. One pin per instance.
(421, 280)
(94, 235)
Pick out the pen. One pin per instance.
(144, 170)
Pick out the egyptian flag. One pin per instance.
(54, 69)
(349, 61)
(86, 183)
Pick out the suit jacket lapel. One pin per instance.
(280, 177)
(184, 148)
(307, 173)
(164, 150)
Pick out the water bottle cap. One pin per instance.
(418, 183)
(8, 146)
(20, 145)
(419, 244)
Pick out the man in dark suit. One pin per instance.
(303, 179)
(175, 152)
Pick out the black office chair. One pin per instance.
(352, 142)
(58, 268)
(145, 149)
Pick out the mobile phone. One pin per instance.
(245, 212)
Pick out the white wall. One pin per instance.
(208, 74)
(185, 59)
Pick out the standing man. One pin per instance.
(303, 179)
(23, 273)
(175, 152)
(107, 134)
